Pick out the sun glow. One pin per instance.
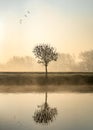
(1, 32)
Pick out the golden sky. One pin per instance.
(65, 24)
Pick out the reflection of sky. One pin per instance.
(75, 111)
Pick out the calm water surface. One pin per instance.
(63, 111)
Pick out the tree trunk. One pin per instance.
(46, 71)
(46, 97)
(46, 100)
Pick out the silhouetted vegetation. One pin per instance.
(45, 54)
(86, 63)
(64, 63)
(45, 114)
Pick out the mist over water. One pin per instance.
(30, 101)
(57, 94)
(74, 111)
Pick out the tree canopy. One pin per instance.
(45, 53)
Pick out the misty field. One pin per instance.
(33, 82)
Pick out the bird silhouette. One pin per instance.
(25, 15)
(28, 12)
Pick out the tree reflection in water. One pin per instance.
(45, 114)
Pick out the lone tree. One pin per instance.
(45, 54)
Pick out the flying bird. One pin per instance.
(28, 12)
(25, 15)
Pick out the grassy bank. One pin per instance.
(36, 82)
(26, 78)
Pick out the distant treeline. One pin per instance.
(65, 63)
